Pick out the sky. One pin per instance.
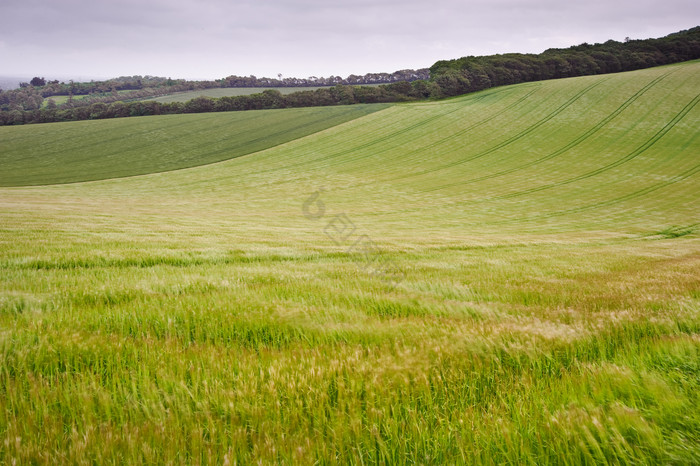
(210, 39)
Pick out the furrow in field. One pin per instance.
(639, 150)
(398, 126)
(637, 194)
(416, 154)
(515, 137)
(583, 137)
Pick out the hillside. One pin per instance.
(95, 150)
(522, 151)
(509, 276)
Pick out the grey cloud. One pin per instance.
(213, 38)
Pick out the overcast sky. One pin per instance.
(208, 39)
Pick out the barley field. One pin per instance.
(102, 149)
(511, 276)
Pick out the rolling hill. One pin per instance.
(95, 150)
(509, 276)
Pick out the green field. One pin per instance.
(225, 92)
(101, 149)
(62, 99)
(511, 276)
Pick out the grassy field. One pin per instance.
(62, 99)
(100, 149)
(511, 276)
(225, 92)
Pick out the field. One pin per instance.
(62, 99)
(511, 276)
(225, 92)
(96, 150)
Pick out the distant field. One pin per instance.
(59, 99)
(62, 99)
(225, 92)
(507, 277)
(187, 96)
(94, 150)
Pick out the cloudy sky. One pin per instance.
(207, 39)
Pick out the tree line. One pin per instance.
(446, 78)
(135, 87)
(470, 74)
(268, 99)
(38, 92)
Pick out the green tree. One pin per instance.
(38, 82)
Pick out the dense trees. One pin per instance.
(128, 88)
(38, 82)
(369, 78)
(469, 74)
(447, 78)
(335, 95)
